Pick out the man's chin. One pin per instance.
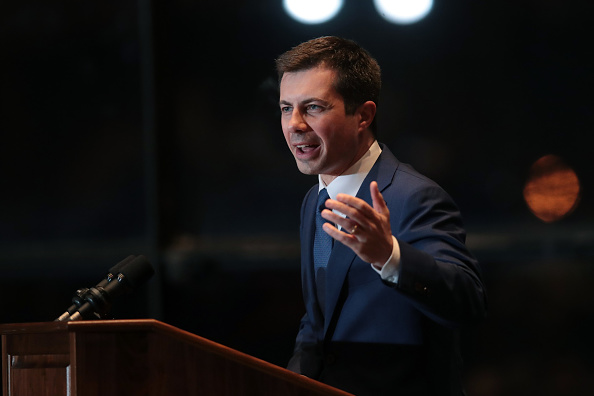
(307, 168)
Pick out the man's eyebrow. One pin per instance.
(304, 101)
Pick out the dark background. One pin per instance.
(138, 128)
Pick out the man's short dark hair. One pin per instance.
(358, 73)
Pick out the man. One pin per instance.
(387, 280)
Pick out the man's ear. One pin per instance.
(366, 114)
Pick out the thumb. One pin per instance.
(377, 199)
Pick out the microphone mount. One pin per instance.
(96, 302)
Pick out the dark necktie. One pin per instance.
(322, 249)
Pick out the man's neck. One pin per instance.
(355, 174)
(327, 179)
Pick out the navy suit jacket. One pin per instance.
(380, 338)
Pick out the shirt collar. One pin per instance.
(350, 181)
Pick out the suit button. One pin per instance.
(329, 359)
(420, 288)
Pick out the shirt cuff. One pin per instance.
(391, 268)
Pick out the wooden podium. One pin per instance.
(135, 357)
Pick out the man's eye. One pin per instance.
(313, 107)
(286, 109)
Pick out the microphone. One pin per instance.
(95, 303)
(79, 297)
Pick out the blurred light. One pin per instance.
(552, 190)
(403, 12)
(312, 11)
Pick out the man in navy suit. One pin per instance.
(396, 282)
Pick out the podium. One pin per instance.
(135, 357)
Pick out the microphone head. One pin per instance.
(118, 267)
(137, 271)
(114, 271)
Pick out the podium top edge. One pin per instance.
(44, 327)
(33, 327)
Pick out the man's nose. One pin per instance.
(297, 122)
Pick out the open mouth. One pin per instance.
(306, 148)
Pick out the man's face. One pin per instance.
(323, 139)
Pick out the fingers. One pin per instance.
(352, 207)
(358, 214)
(357, 209)
(346, 239)
(365, 229)
(346, 224)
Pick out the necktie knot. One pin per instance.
(322, 197)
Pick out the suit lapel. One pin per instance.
(339, 263)
(307, 270)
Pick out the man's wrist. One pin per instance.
(391, 269)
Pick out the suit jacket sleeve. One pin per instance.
(305, 354)
(437, 272)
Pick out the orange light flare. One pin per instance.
(552, 190)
